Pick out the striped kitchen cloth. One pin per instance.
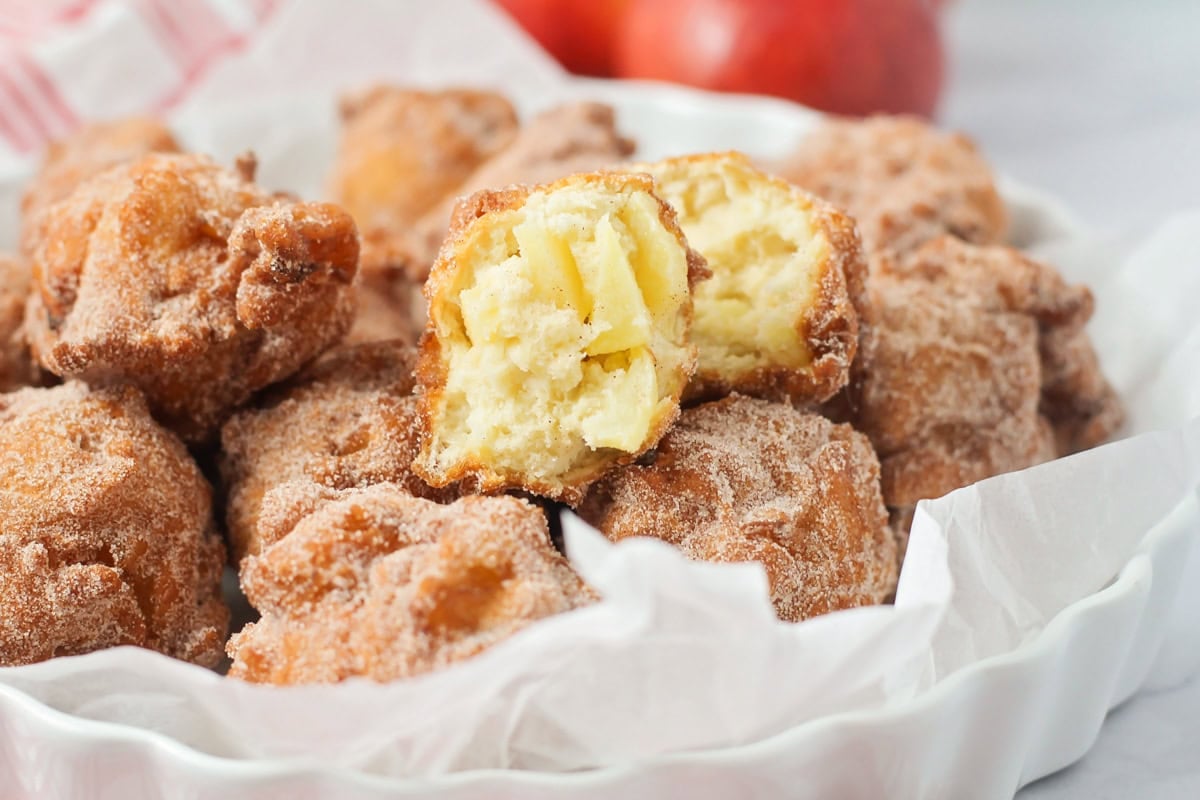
(153, 52)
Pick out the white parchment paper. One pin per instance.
(679, 655)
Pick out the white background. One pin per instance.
(1098, 102)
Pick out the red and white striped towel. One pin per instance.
(63, 61)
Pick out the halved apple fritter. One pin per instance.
(778, 318)
(557, 343)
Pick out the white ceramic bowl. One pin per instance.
(980, 733)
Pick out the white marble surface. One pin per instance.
(1097, 101)
(1148, 749)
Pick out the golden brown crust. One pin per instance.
(88, 152)
(432, 365)
(829, 326)
(902, 180)
(743, 479)
(106, 531)
(951, 395)
(402, 151)
(16, 366)
(1080, 403)
(1076, 398)
(565, 140)
(348, 421)
(385, 586)
(843, 406)
(178, 276)
(390, 306)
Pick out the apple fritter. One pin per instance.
(565, 140)
(88, 152)
(1076, 398)
(980, 365)
(902, 180)
(106, 531)
(558, 341)
(390, 306)
(348, 421)
(402, 151)
(778, 317)
(742, 479)
(951, 394)
(16, 366)
(1080, 403)
(383, 585)
(190, 282)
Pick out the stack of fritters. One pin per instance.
(693, 350)
(975, 359)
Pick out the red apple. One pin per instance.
(844, 56)
(581, 34)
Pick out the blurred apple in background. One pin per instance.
(844, 56)
(581, 34)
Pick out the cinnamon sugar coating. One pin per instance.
(951, 394)
(1080, 404)
(106, 531)
(557, 343)
(383, 585)
(390, 306)
(742, 479)
(564, 140)
(902, 180)
(87, 152)
(980, 365)
(402, 151)
(348, 421)
(952, 390)
(190, 282)
(16, 366)
(778, 317)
